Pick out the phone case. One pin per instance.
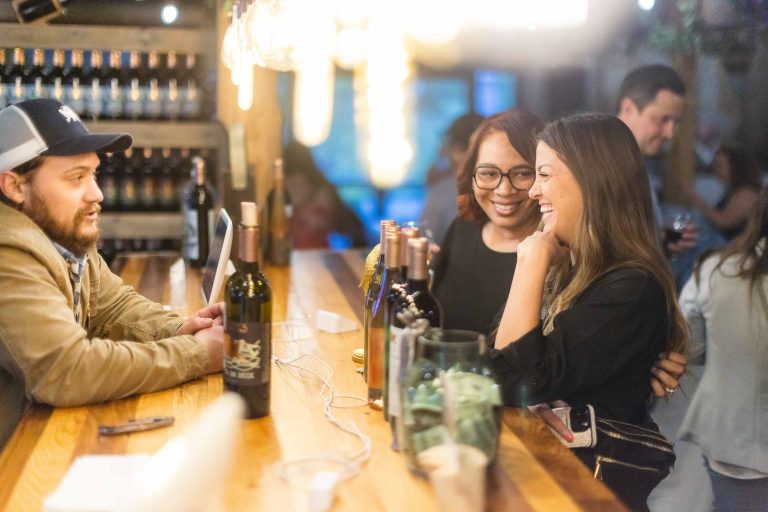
(585, 439)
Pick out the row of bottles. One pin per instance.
(398, 308)
(198, 212)
(148, 87)
(147, 179)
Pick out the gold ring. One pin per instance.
(670, 391)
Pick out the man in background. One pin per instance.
(71, 333)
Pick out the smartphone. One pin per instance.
(580, 420)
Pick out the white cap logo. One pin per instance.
(68, 114)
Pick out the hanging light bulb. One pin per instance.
(228, 47)
(312, 56)
(271, 29)
(237, 67)
(387, 77)
(245, 89)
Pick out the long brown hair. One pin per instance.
(521, 127)
(616, 227)
(752, 262)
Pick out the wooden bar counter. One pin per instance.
(534, 472)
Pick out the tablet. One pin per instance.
(215, 269)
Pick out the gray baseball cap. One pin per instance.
(47, 127)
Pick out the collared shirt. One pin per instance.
(76, 265)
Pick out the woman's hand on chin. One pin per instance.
(542, 246)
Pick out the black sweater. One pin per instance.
(600, 351)
(471, 281)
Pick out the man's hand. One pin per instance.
(544, 411)
(212, 339)
(667, 373)
(210, 316)
(687, 242)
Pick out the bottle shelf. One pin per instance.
(182, 134)
(102, 37)
(141, 225)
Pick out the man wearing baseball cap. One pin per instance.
(71, 332)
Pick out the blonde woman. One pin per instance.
(599, 274)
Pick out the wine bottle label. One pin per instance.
(114, 98)
(17, 90)
(402, 344)
(153, 106)
(56, 90)
(171, 100)
(133, 106)
(128, 193)
(74, 95)
(247, 352)
(192, 240)
(94, 102)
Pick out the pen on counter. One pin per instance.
(136, 425)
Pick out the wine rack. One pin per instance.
(155, 133)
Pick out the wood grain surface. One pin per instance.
(534, 472)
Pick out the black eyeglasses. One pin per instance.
(488, 177)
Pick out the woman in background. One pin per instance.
(741, 177)
(599, 273)
(725, 303)
(318, 211)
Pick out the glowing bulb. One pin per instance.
(169, 14)
(646, 5)
(228, 47)
(245, 88)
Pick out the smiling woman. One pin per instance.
(495, 214)
(599, 274)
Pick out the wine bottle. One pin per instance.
(132, 93)
(35, 87)
(129, 180)
(108, 182)
(199, 216)
(248, 321)
(54, 86)
(166, 192)
(74, 95)
(169, 88)
(17, 76)
(5, 82)
(114, 88)
(189, 88)
(280, 214)
(93, 86)
(415, 310)
(152, 104)
(373, 290)
(377, 329)
(28, 11)
(148, 182)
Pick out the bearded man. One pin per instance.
(71, 333)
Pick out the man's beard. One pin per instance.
(67, 236)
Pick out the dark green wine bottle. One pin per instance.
(248, 322)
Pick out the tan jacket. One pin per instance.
(124, 344)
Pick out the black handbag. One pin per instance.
(630, 459)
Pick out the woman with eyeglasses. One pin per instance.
(474, 268)
(479, 252)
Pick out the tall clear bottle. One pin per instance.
(74, 95)
(54, 77)
(36, 76)
(414, 311)
(5, 82)
(280, 213)
(373, 289)
(114, 87)
(94, 87)
(199, 216)
(248, 321)
(152, 107)
(17, 77)
(132, 94)
(377, 334)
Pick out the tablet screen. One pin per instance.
(214, 272)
